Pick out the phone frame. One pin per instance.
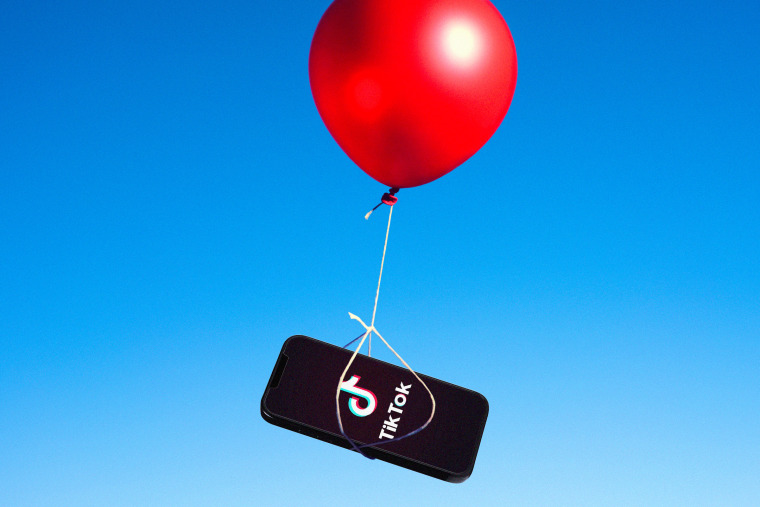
(372, 451)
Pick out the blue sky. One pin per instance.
(172, 209)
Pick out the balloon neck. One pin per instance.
(388, 198)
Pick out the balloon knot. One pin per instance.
(388, 198)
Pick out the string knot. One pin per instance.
(388, 198)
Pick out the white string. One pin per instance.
(432, 399)
(379, 279)
(368, 333)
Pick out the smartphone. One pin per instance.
(379, 401)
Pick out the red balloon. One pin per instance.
(410, 89)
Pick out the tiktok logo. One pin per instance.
(353, 403)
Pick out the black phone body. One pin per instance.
(379, 402)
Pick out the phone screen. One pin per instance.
(379, 402)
